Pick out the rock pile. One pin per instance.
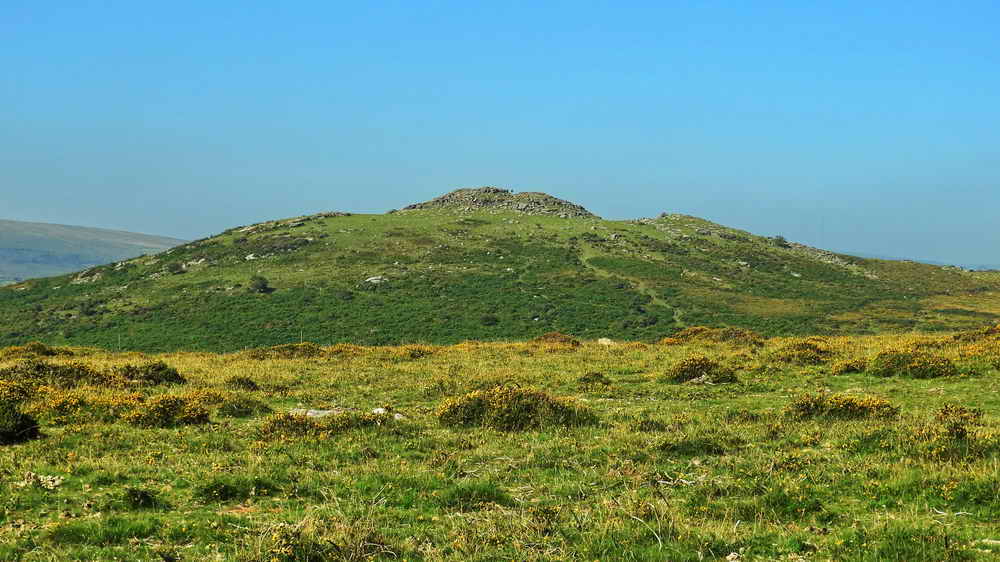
(495, 198)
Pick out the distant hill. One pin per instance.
(31, 249)
(978, 267)
(484, 264)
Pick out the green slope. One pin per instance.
(31, 249)
(476, 268)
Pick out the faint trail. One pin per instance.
(587, 252)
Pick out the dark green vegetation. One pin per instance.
(29, 249)
(554, 449)
(474, 266)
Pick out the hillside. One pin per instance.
(31, 249)
(484, 264)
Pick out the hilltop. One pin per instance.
(32, 249)
(495, 198)
(476, 264)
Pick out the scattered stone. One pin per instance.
(88, 276)
(32, 480)
(606, 341)
(316, 413)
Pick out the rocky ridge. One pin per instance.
(495, 198)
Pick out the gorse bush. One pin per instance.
(16, 426)
(168, 411)
(841, 406)
(955, 432)
(34, 373)
(843, 367)
(594, 378)
(239, 382)
(31, 349)
(14, 391)
(812, 351)
(729, 335)
(508, 408)
(556, 338)
(911, 364)
(288, 425)
(152, 374)
(305, 350)
(700, 368)
(242, 407)
(140, 498)
(60, 407)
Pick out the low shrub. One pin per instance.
(911, 364)
(16, 426)
(594, 379)
(414, 351)
(742, 416)
(13, 391)
(32, 350)
(841, 406)
(35, 372)
(699, 368)
(954, 433)
(243, 407)
(467, 496)
(146, 374)
(556, 338)
(344, 350)
(648, 425)
(511, 408)
(239, 382)
(168, 411)
(980, 334)
(856, 365)
(304, 350)
(206, 397)
(140, 498)
(728, 335)
(956, 420)
(227, 488)
(710, 441)
(288, 425)
(812, 351)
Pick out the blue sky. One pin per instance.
(861, 126)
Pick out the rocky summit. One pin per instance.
(489, 197)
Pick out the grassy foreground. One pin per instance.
(714, 445)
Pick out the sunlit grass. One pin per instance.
(794, 457)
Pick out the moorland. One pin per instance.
(713, 444)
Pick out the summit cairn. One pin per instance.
(490, 198)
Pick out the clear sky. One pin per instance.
(852, 125)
